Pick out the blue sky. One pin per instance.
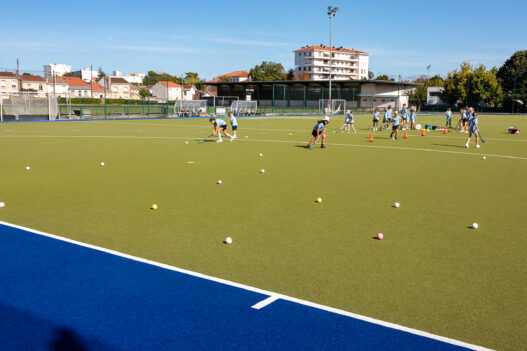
(215, 37)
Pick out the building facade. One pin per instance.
(58, 69)
(163, 89)
(346, 63)
(363, 94)
(119, 88)
(86, 74)
(8, 83)
(34, 84)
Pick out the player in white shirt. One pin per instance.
(376, 115)
(234, 125)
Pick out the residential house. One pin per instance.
(8, 83)
(161, 89)
(58, 86)
(119, 88)
(190, 92)
(57, 69)
(35, 84)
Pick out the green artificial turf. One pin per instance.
(431, 272)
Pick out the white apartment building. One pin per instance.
(135, 77)
(346, 63)
(86, 74)
(58, 69)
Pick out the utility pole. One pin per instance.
(148, 95)
(91, 80)
(332, 11)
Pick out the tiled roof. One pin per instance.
(170, 84)
(236, 74)
(7, 74)
(97, 87)
(326, 48)
(118, 80)
(75, 81)
(26, 78)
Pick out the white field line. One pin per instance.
(264, 141)
(253, 289)
(265, 302)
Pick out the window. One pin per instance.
(114, 89)
(13, 84)
(85, 93)
(2, 84)
(79, 93)
(125, 89)
(40, 87)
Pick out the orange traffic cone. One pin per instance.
(405, 134)
(423, 132)
(444, 131)
(371, 138)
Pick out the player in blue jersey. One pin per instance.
(405, 115)
(412, 119)
(376, 115)
(349, 122)
(319, 130)
(234, 125)
(396, 121)
(389, 116)
(473, 129)
(448, 115)
(219, 127)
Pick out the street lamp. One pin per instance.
(428, 72)
(332, 11)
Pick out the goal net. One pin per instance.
(29, 107)
(244, 108)
(188, 108)
(336, 107)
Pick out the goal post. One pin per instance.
(188, 108)
(335, 107)
(244, 108)
(29, 107)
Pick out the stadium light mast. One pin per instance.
(332, 11)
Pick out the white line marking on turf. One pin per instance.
(265, 302)
(264, 141)
(256, 290)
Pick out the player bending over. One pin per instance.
(376, 115)
(473, 129)
(219, 125)
(319, 131)
(395, 126)
(234, 125)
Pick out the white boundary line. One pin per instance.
(264, 141)
(265, 302)
(257, 290)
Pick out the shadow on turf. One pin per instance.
(65, 340)
(450, 145)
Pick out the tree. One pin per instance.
(473, 86)
(267, 71)
(302, 75)
(436, 81)
(290, 75)
(417, 97)
(192, 78)
(513, 78)
(100, 73)
(370, 75)
(385, 77)
(144, 92)
(69, 74)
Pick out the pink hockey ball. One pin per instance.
(219, 182)
(380, 236)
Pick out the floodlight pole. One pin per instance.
(332, 11)
(514, 91)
